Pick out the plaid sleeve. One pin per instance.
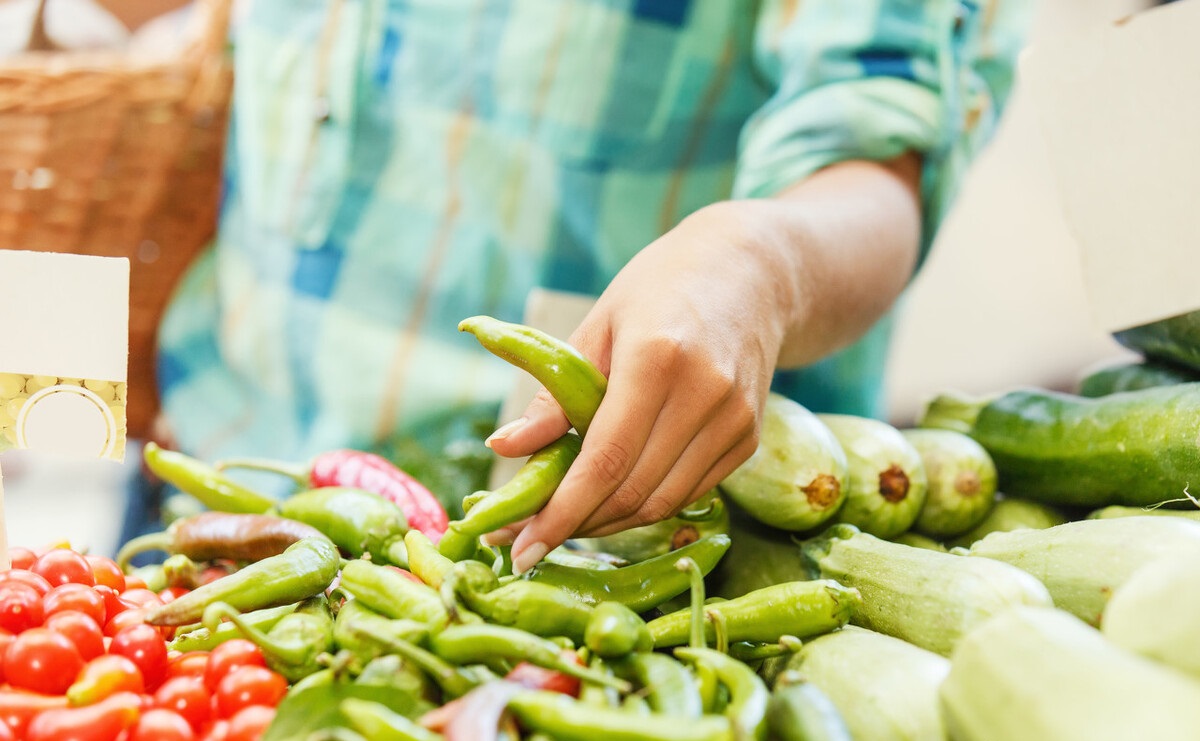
(874, 79)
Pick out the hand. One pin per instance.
(688, 335)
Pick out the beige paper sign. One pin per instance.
(63, 353)
(1119, 106)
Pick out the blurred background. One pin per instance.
(1000, 302)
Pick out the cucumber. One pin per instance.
(1132, 376)
(1116, 510)
(883, 687)
(1133, 448)
(795, 480)
(1082, 562)
(707, 516)
(1037, 673)
(927, 598)
(961, 481)
(1154, 614)
(758, 556)
(885, 479)
(1175, 339)
(1009, 513)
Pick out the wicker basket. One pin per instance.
(101, 154)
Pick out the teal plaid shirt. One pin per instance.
(397, 165)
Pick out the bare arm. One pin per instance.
(690, 332)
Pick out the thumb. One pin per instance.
(540, 424)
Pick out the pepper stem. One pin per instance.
(293, 653)
(696, 637)
(297, 473)
(162, 541)
(720, 629)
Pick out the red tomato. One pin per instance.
(125, 619)
(141, 597)
(161, 725)
(104, 676)
(133, 581)
(190, 664)
(5, 639)
(81, 629)
(250, 723)
(218, 731)
(535, 677)
(21, 558)
(43, 661)
(6, 733)
(103, 721)
(61, 566)
(230, 655)
(188, 697)
(113, 604)
(246, 686)
(76, 597)
(18, 707)
(20, 607)
(24, 575)
(170, 594)
(144, 645)
(106, 572)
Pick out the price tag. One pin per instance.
(1118, 106)
(63, 355)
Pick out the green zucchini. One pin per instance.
(708, 516)
(885, 479)
(1134, 448)
(1009, 513)
(1116, 510)
(758, 557)
(925, 597)
(916, 540)
(961, 482)
(1174, 339)
(1082, 562)
(1132, 376)
(1154, 614)
(883, 687)
(1037, 673)
(800, 711)
(795, 480)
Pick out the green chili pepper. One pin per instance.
(595, 694)
(453, 681)
(203, 639)
(154, 575)
(522, 496)
(425, 560)
(798, 608)
(750, 653)
(584, 559)
(366, 633)
(305, 569)
(292, 646)
(476, 644)
(566, 719)
(576, 384)
(540, 609)
(670, 687)
(641, 586)
(215, 490)
(748, 695)
(357, 521)
(390, 593)
(376, 722)
(613, 630)
(401, 677)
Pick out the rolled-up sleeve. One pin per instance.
(875, 79)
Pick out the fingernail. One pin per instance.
(503, 536)
(529, 557)
(505, 430)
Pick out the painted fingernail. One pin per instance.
(503, 536)
(505, 430)
(529, 557)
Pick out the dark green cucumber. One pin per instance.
(886, 484)
(1133, 376)
(1135, 448)
(961, 482)
(1175, 339)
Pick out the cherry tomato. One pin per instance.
(248, 685)
(5, 639)
(62, 566)
(104, 676)
(104, 720)
(21, 558)
(133, 581)
(18, 707)
(144, 645)
(43, 661)
(218, 731)
(161, 725)
(6, 733)
(190, 664)
(113, 604)
(106, 572)
(250, 723)
(230, 655)
(81, 629)
(141, 597)
(76, 597)
(188, 697)
(20, 607)
(171, 594)
(125, 619)
(25, 575)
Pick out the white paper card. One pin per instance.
(1119, 106)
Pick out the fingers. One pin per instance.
(542, 423)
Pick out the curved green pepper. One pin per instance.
(541, 609)
(291, 648)
(613, 630)
(565, 719)
(669, 686)
(212, 488)
(748, 695)
(357, 521)
(377, 722)
(392, 594)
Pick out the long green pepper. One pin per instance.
(213, 489)
(391, 594)
(377, 722)
(748, 694)
(294, 644)
(357, 521)
(565, 719)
